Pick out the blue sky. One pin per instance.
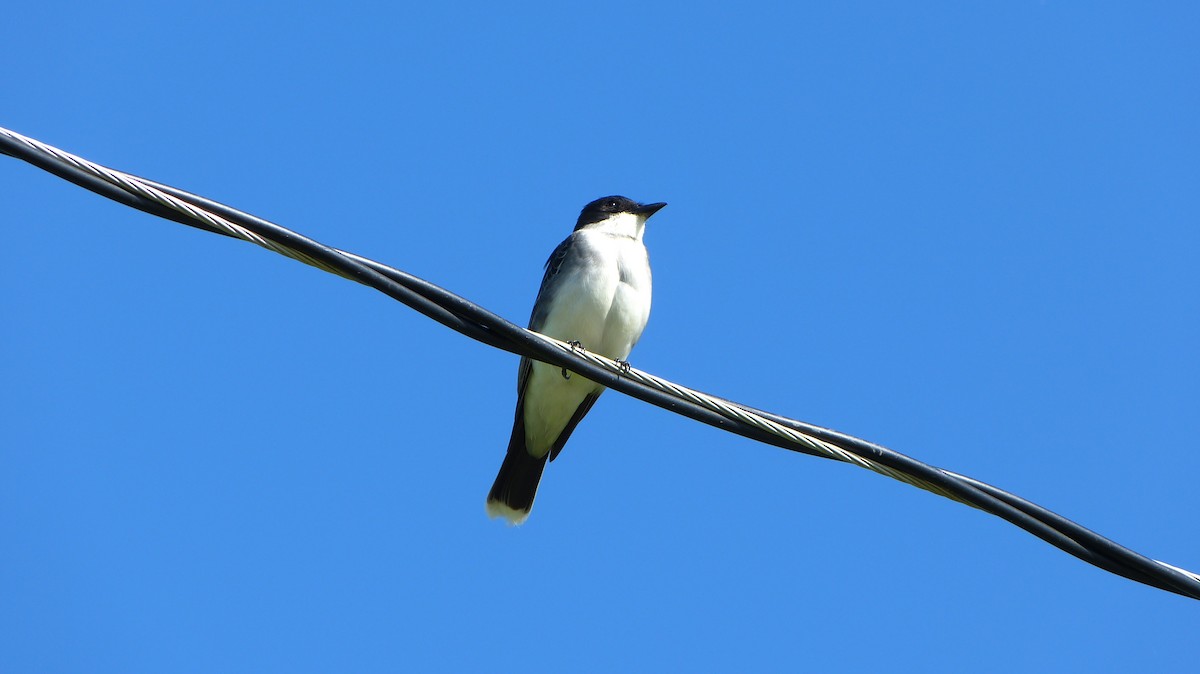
(965, 231)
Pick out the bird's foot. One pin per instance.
(624, 366)
(575, 345)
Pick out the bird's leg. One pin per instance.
(575, 345)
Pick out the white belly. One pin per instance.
(605, 307)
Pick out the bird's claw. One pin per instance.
(575, 345)
(624, 366)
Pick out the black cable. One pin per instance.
(473, 321)
(1127, 563)
(476, 322)
(1057, 530)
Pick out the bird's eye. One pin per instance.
(611, 203)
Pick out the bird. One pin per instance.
(595, 294)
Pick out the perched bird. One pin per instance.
(596, 292)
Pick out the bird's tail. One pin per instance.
(516, 484)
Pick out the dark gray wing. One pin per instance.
(541, 306)
(537, 320)
(545, 296)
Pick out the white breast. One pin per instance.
(605, 306)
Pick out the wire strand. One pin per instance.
(477, 323)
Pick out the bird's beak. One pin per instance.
(649, 209)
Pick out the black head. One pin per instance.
(605, 206)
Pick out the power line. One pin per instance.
(473, 321)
